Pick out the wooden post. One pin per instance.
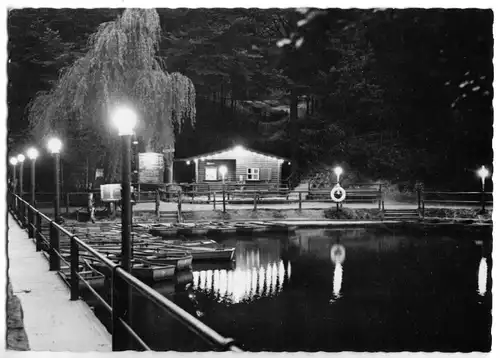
(214, 199)
(300, 200)
(138, 192)
(157, 205)
(91, 208)
(380, 197)
(423, 208)
(255, 202)
(179, 207)
(223, 200)
(418, 197)
(192, 196)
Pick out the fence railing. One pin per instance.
(454, 198)
(122, 282)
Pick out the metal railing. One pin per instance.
(121, 281)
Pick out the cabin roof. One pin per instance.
(232, 150)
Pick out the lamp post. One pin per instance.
(338, 171)
(20, 160)
(55, 146)
(13, 162)
(125, 119)
(483, 174)
(32, 154)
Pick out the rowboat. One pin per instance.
(143, 271)
(155, 273)
(182, 260)
(94, 278)
(206, 253)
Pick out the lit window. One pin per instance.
(253, 174)
(211, 173)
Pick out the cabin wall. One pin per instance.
(238, 164)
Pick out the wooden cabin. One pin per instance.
(237, 165)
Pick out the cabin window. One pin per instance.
(253, 174)
(211, 173)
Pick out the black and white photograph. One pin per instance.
(244, 178)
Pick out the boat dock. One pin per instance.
(52, 322)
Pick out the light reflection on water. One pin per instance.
(340, 276)
(243, 284)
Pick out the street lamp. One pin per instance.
(20, 160)
(13, 162)
(338, 171)
(55, 146)
(483, 174)
(223, 172)
(32, 154)
(125, 119)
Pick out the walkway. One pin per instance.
(52, 322)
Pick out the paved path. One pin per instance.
(52, 322)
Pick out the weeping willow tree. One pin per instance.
(120, 66)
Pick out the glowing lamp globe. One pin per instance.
(54, 145)
(483, 172)
(20, 158)
(338, 171)
(125, 119)
(13, 160)
(223, 170)
(32, 153)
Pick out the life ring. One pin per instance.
(337, 254)
(337, 189)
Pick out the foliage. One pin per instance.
(120, 66)
(401, 95)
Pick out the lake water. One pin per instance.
(335, 290)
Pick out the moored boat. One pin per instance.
(143, 271)
(206, 253)
(155, 273)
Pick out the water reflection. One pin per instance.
(337, 255)
(482, 277)
(258, 272)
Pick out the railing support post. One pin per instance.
(300, 201)
(120, 338)
(214, 199)
(38, 231)
(54, 262)
(30, 223)
(75, 292)
(255, 202)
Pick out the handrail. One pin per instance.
(193, 324)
